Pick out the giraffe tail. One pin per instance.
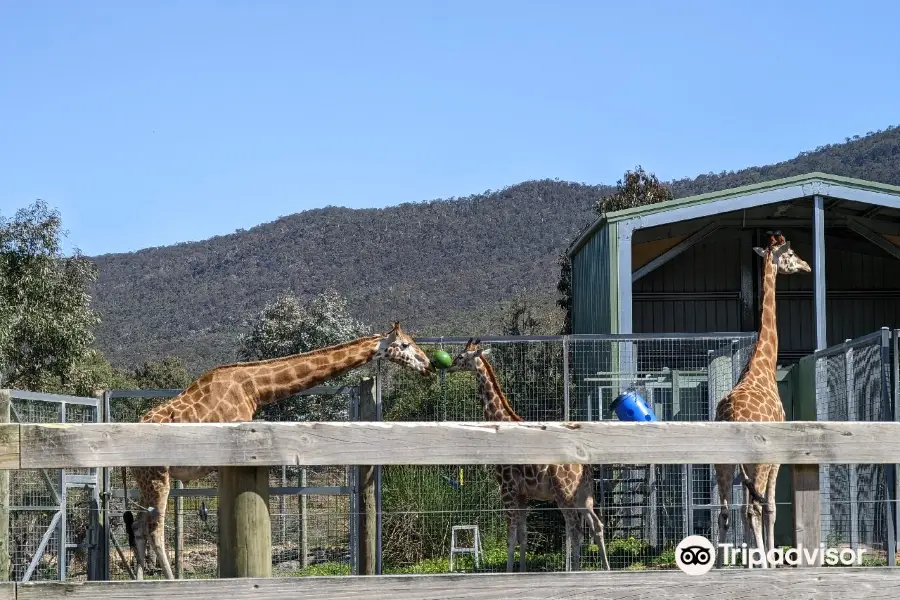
(750, 487)
(127, 516)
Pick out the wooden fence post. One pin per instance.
(5, 400)
(245, 528)
(366, 488)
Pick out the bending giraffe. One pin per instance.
(570, 486)
(233, 393)
(756, 398)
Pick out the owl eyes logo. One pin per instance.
(695, 555)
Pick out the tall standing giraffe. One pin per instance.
(570, 486)
(755, 398)
(232, 393)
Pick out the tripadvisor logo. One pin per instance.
(695, 555)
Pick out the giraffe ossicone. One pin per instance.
(570, 486)
(233, 393)
(755, 397)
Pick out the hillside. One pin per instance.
(442, 266)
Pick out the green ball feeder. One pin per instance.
(441, 359)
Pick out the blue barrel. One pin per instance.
(630, 406)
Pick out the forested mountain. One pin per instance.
(443, 267)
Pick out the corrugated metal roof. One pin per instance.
(639, 211)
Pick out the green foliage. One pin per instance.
(290, 326)
(166, 374)
(46, 320)
(417, 515)
(639, 188)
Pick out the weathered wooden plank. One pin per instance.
(313, 443)
(7, 590)
(835, 582)
(807, 520)
(9, 446)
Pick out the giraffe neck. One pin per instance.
(279, 378)
(496, 406)
(762, 362)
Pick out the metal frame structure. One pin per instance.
(884, 381)
(66, 480)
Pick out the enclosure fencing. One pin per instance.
(311, 514)
(50, 516)
(647, 509)
(428, 516)
(857, 381)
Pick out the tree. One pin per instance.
(636, 188)
(166, 374)
(288, 326)
(639, 188)
(46, 320)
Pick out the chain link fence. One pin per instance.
(647, 509)
(855, 381)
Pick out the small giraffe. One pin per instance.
(755, 398)
(232, 393)
(570, 486)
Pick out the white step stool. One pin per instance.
(476, 549)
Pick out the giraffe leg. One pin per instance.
(512, 524)
(758, 475)
(724, 478)
(596, 527)
(770, 506)
(158, 541)
(574, 536)
(523, 534)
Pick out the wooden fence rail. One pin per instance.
(826, 582)
(802, 444)
(51, 446)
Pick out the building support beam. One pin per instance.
(626, 350)
(625, 231)
(688, 242)
(819, 271)
(863, 231)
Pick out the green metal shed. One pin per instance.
(687, 265)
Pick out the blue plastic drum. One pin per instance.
(630, 406)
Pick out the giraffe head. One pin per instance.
(397, 347)
(779, 251)
(466, 359)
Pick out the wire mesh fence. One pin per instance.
(430, 515)
(47, 506)
(309, 506)
(647, 509)
(858, 501)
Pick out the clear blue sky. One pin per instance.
(151, 123)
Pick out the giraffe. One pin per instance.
(570, 486)
(231, 393)
(755, 398)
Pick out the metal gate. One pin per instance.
(51, 511)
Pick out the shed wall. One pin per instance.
(591, 283)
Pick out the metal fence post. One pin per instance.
(890, 470)
(565, 350)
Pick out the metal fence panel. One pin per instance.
(853, 383)
(551, 378)
(50, 505)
